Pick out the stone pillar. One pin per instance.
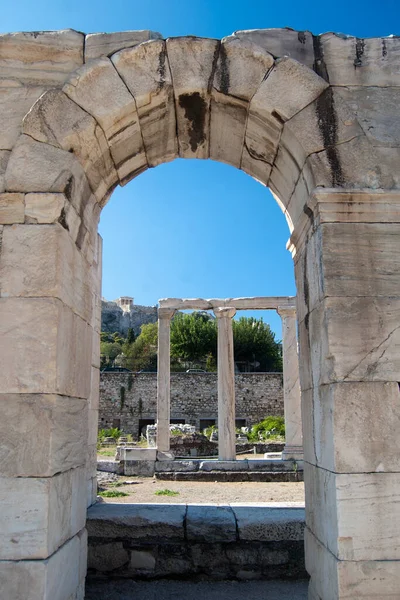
(45, 352)
(226, 385)
(291, 386)
(348, 303)
(163, 378)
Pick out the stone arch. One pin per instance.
(289, 126)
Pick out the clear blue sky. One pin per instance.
(198, 228)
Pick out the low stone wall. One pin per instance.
(128, 400)
(198, 541)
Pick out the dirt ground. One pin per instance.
(143, 490)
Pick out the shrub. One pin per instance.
(269, 428)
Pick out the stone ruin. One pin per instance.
(314, 118)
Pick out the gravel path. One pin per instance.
(142, 490)
(179, 590)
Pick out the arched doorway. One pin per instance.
(284, 124)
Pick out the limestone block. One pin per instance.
(377, 111)
(99, 90)
(93, 419)
(281, 42)
(44, 208)
(145, 71)
(309, 274)
(328, 121)
(15, 102)
(269, 524)
(95, 349)
(72, 220)
(355, 339)
(12, 208)
(107, 557)
(145, 468)
(355, 426)
(332, 579)
(287, 89)
(91, 487)
(45, 348)
(142, 561)
(360, 515)
(252, 163)
(56, 578)
(210, 524)
(148, 522)
(138, 453)
(94, 389)
(46, 434)
(4, 156)
(365, 263)
(83, 554)
(355, 164)
(227, 128)
(39, 515)
(223, 465)
(91, 461)
(287, 166)
(193, 62)
(176, 465)
(105, 44)
(50, 265)
(57, 120)
(40, 57)
(241, 67)
(37, 167)
(362, 62)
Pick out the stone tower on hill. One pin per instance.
(121, 314)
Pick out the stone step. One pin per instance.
(231, 476)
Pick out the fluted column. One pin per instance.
(291, 386)
(163, 378)
(226, 385)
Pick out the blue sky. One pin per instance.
(198, 228)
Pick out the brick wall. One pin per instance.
(129, 399)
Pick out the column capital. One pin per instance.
(224, 312)
(166, 313)
(285, 311)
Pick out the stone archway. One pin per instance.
(300, 124)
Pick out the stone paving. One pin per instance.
(176, 590)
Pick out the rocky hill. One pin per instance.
(113, 318)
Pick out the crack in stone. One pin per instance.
(373, 366)
(137, 112)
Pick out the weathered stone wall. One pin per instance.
(113, 318)
(229, 542)
(131, 397)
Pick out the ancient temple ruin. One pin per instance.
(314, 118)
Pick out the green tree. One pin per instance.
(193, 336)
(142, 353)
(130, 338)
(255, 342)
(108, 352)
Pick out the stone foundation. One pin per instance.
(196, 541)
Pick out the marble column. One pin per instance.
(163, 378)
(291, 386)
(226, 385)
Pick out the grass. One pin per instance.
(112, 494)
(106, 452)
(166, 493)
